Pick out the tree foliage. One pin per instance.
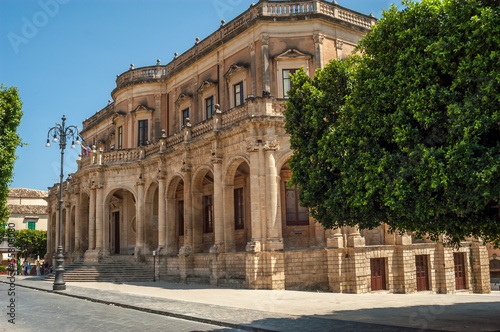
(31, 243)
(407, 133)
(10, 117)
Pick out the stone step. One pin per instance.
(119, 269)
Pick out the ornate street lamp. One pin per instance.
(61, 132)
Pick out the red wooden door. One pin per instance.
(422, 273)
(377, 266)
(459, 270)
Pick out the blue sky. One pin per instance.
(64, 55)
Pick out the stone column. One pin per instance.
(255, 208)
(187, 248)
(266, 71)
(228, 194)
(479, 266)
(49, 232)
(162, 217)
(274, 239)
(253, 70)
(339, 44)
(139, 219)
(77, 221)
(56, 239)
(99, 219)
(171, 214)
(92, 220)
(318, 46)
(218, 206)
(67, 231)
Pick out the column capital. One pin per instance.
(216, 157)
(264, 39)
(186, 167)
(252, 146)
(271, 146)
(339, 43)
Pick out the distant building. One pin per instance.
(190, 159)
(28, 209)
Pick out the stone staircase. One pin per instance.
(113, 268)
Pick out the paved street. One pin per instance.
(146, 305)
(43, 311)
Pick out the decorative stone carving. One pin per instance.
(318, 38)
(271, 146)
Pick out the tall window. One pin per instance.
(120, 138)
(295, 214)
(180, 217)
(209, 107)
(287, 82)
(208, 214)
(185, 116)
(238, 94)
(239, 211)
(143, 133)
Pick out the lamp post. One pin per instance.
(62, 132)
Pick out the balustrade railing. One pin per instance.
(263, 8)
(253, 107)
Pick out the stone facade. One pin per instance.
(28, 209)
(189, 162)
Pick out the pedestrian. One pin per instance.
(42, 270)
(24, 267)
(46, 268)
(38, 267)
(18, 266)
(28, 271)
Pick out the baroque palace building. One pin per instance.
(189, 162)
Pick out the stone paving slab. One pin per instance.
(264, 310)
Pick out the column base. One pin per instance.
(217, 248)
(274, 244)
(356, 241)
(185, 250)
(254, 246)
(335, 242)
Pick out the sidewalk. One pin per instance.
(265, 310)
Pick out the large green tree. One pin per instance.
(412, 137)
(31, 243)
(10, 117)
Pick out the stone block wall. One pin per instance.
(343, 270)
(306, 270)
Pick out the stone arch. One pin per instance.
(202, 190)
(151, 218)
(237, 217)
(174, 195)
(120, 214)
(283, 159)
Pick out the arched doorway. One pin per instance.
(120, 212)
(175, 215)
(203, 210)
(237, 217)
(84, 222)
